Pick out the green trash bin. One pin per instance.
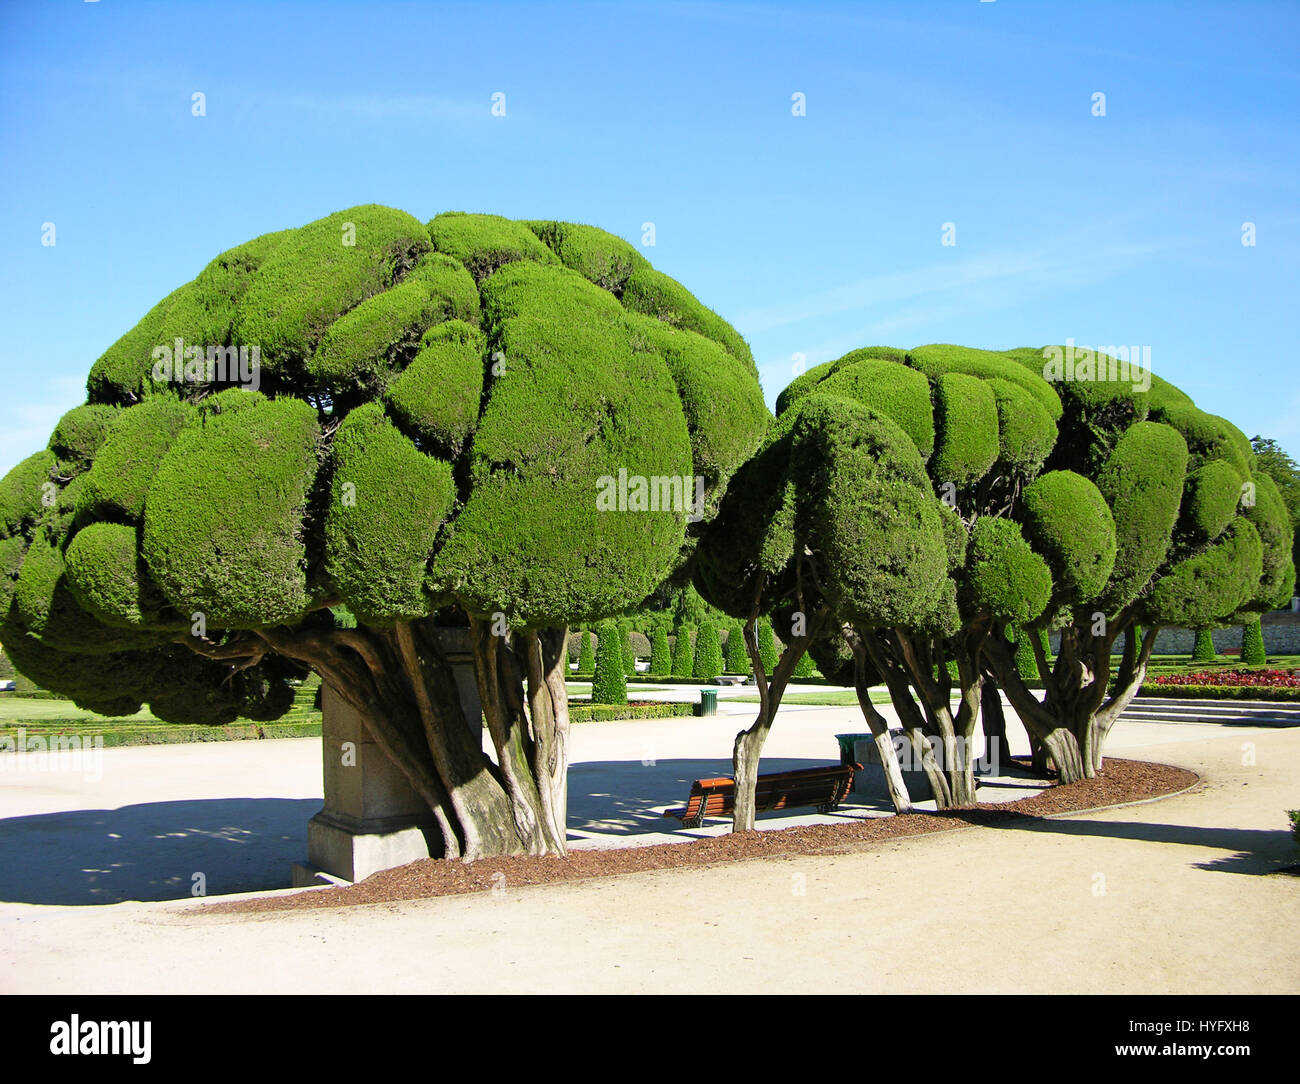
(708, 704)
(847, 742)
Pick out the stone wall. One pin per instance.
(1281, 637)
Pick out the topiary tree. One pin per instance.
(1203, 647)
(683, 653)
(660, 657)
(780, 545)
(766, 645)
(1252, 644)
(708, 653)
(1082, 503)
(586, 656)
(629, 656)
(465, 422)
(737, 658)
(609, 684)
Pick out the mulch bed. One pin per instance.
(1120, 781)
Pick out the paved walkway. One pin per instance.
(1170, 896)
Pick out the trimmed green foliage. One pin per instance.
(609, 685)
(1026, 662)
(365, 346)
(866, 506)
(736, 659)
(486, 243)
(78, 436)
(629, 656)
(21, 492)
(1208, 437)
(315, 275)
(1210, 498)
(708, 653)
(893, 390)
(967, 415)
(586, 656)
(599, 257)
(573, 404)
(1067, 521)
(109, 580)
(767, 650)
(1210, 586)
(201, 313)
(436, 400)
(723, 405)
(653, 293)
(942, 358)
(1007, 579)
(387, 502)
(1026, 430)
(661, 662)
(224, 514)
(801, 385)
(805, 667)
(1269, 515)
(956, 538)
(1142, 482)
(683, 653)
(137, 440)
(12, 552)
(44, 607)
(1096, 410)
(1203, 649)
(1252, 644)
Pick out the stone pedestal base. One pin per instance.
(373, 819)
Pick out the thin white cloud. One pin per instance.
(1003, 279)
(25, 427)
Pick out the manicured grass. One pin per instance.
(831, 698)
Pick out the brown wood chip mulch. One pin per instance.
(1121, 781)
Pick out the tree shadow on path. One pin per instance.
(152, 851)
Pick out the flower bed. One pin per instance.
(1278, 679)
(1227, 685)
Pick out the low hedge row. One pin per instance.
(164, 733)
(604, 713)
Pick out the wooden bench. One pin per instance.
(824, 788)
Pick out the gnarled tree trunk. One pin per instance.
(400, 681)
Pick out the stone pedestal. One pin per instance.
(372, 818)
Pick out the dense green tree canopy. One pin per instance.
(434, 410)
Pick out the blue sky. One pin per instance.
(812, 234)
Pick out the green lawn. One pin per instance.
(834, 698)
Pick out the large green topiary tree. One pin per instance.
(1084, 503)
(471, 422)
(586, 656)
(683, 653)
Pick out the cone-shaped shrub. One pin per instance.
(1204, 649)
(609, 685)
(767, 645)
(683, 653)
(737, 659)
(660, 659)
(629, 656)
(586, 656)
(1026, 664)
(805, 667)
(1252, 644)
(708, 653)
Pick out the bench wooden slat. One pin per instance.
(824, 788)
